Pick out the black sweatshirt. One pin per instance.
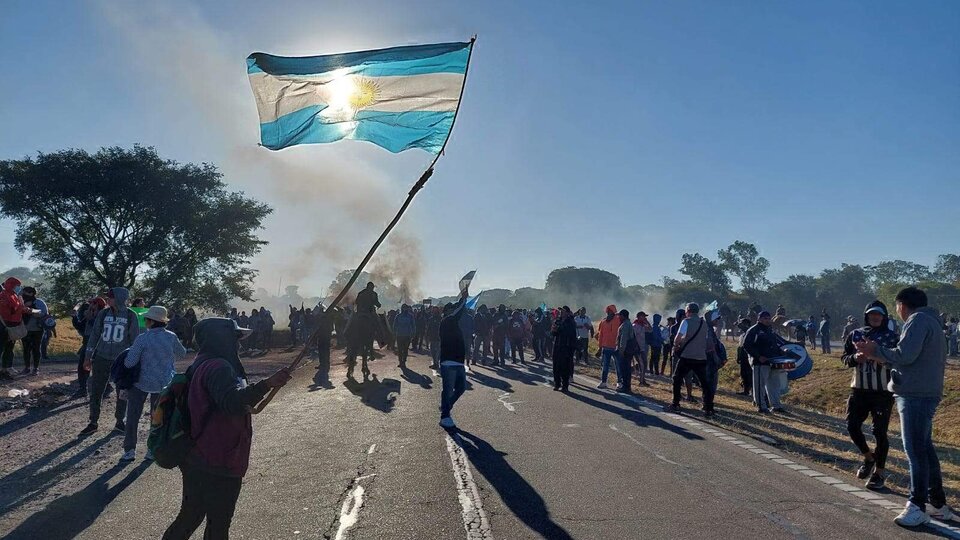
(452, 347)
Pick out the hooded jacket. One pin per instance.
(115, 329)
(870, 376)
(608, 328)
(919, 359)
(654, 335)
(219, 404)
(564, 338)
(11, 305)
(404, 325)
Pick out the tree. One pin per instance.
(798, 294)
(126, 217)
(843, 291)
(705, 273)
(897, 271)
(947, 268)
(744, 261)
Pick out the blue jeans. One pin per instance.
(454, 385)
(916, 429)
(607, 356)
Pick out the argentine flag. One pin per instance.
(397, 98)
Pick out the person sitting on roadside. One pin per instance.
(156, 351)
(869, 395)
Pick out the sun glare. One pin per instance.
(346, 94)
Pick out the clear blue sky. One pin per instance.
(617, 135)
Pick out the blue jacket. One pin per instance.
(404, 325)
(655, 336)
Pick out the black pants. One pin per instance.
(516, 345)
(82, 374)
(31, 348)
(698, 368)
(746, 376)
(562, 368)
(667, 350)
(498, 350)
(625, 362)
(7, 354)
(654, 363)
(877, 405)
(539, 345)
(583, 345)
(207, 496)
(403, 349)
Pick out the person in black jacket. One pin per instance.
(743, 359)
(565, 343)
(761, 345)
(869, 395)
(452, 355)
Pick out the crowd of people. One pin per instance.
(891, 365)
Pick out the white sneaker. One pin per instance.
(149, 456)
(944, 513)
(911, 516)
(602, 385)
(447, 423)
(129, 455)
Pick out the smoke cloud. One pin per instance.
(329, 206)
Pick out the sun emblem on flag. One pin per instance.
(365, 93)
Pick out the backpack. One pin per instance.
(121, 375)
(169, 438)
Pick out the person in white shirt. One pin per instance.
(584, 334)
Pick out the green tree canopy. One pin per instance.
(705, 273)
(127, 217)
(743, 260)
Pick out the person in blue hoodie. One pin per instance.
(404, 327)
(655, 343)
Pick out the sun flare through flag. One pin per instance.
(398, 98)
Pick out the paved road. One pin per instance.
(367, 460)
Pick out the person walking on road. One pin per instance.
(114, 331)
(869, 395)
(565, 343)
(404, 328)
(220, 403)
(453, 371)
(917, 367)
(156, 351)
(607, 339)
(692, 346)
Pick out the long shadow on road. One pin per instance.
(67, 517)
(373, 392)
(519, 496)
(416, 378)
(32, 416)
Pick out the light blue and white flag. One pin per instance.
(471, 302)
(397, 98)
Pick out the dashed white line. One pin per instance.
(656, 454)
(350, 510)
(373, 448)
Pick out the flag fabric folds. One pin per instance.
(398, 98)
(472, 301)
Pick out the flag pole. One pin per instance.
(383, 236)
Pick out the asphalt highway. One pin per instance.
(367, 460)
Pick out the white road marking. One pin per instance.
(373, 448)
(475, 520)
(510, 406)
(945, 529)
(645, 447)
(571, 425)
(350, 510)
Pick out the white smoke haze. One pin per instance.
(328, 206)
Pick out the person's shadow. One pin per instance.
(416, 378)
(519, 496)
(373, 392)
(321, 380)
(67, 517)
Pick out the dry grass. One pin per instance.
(814, 425)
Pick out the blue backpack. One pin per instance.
(122, 376)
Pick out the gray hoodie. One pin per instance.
(919, 359)
(114, 331)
